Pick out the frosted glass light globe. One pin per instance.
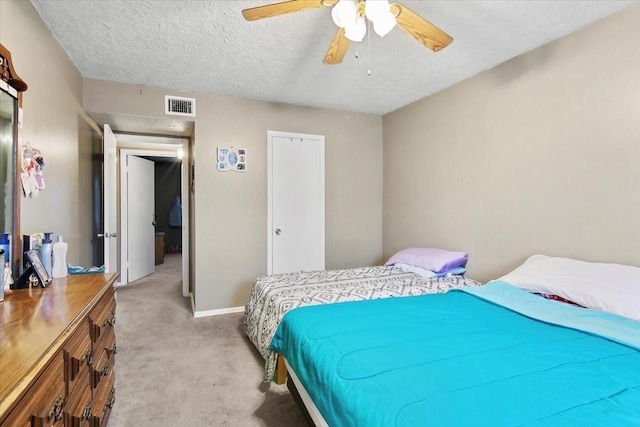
(377, 11)
(344, 13)
(356, 32)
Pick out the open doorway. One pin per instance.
(165, 232)
(151, 211)
(163, 137)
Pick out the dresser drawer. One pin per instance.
(43, 404)
(77, 411)
(102, 368)
(103, 316)
(103, 401)
(106, 342)
(78, 355)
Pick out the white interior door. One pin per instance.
(110, 202)
(296, 202)
(140, 217)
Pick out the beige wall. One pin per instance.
(230, 209)
(55, 123)
(537, 155)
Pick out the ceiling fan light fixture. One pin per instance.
(344, 13)
(351, 17)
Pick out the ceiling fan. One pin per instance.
(351, 17)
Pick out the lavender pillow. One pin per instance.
(436, 260)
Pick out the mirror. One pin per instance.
(11, 88)
(7, 166)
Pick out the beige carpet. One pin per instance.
(174, 370)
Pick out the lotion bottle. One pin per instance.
(60, 258)
(46, 252)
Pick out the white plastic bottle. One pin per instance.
(45, 253)
(60, 258)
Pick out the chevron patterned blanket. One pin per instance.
(272, 296)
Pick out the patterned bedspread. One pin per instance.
(272, 296)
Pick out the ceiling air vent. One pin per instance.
(179, 106)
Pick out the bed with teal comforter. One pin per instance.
(487, 356)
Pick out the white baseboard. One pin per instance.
(215, 312)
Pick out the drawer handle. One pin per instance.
(87, 357)
(105, 369)
(111, 319)
(56, 411)
(111, 399)
(86, 412)
(114, 349)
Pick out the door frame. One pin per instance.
(293, 135)
(157, 146)
(109, 200)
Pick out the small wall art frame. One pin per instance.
(232, 159)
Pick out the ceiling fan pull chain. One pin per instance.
(369, 47)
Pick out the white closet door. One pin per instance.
(296, 202)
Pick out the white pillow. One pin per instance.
(609, 287)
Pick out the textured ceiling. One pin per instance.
(206, 46)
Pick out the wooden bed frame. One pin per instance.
(281, 371)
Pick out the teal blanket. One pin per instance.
(475, 358)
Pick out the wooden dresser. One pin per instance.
(57, 348)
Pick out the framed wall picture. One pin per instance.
(38, 268)
(232, 159)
